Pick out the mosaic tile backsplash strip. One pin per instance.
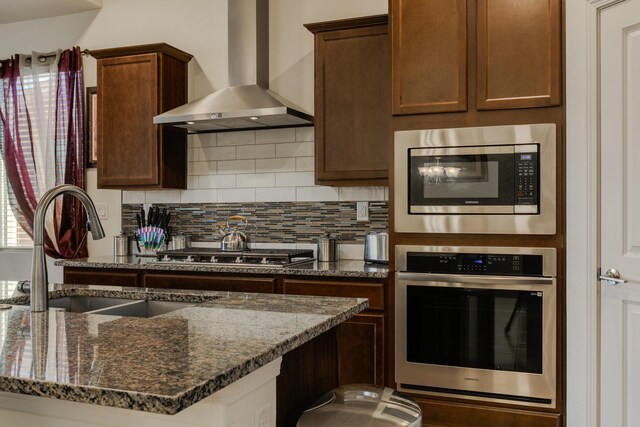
(274, 222)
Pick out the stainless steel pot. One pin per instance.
(327, 248)
(376, 248)
(179, 241)
(232, 238)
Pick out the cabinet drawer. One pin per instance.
(210, 283)
(439, 414)
(373, 291)
(101, 277)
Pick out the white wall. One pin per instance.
(16, 265)
(200, 28)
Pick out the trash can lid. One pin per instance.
(356, 405)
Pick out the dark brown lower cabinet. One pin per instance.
(210, 282)
(360, 339)
(361, 350)
(107, 276)
(306, 373)
(445, 414)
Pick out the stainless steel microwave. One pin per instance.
(495, 180)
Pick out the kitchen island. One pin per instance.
(211, 363)
(365, 342)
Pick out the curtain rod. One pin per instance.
(84, 52)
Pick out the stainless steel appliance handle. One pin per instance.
(477, 280)
(458, 151)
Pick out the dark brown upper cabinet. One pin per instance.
(352, 108)
(519, 53)
(429, 56)
(507, 51)
(135, 83)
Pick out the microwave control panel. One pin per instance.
(468, 263)
(527, 177)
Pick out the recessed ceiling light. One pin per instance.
(191, 123)
(254, 118)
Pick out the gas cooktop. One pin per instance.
(267, 258)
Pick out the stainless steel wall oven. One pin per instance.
(496, 179)
(477, 322)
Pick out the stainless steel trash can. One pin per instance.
(362, 405)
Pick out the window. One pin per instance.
(11, 234)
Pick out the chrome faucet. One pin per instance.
(39, 278)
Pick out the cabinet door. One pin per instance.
(127, 139)
(361, 338)
(91, 276)
(519, 53)
(429, 56)
(361, 350)
(209, 283)
(352, 106)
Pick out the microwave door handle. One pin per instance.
(461, 151)
(498, 281)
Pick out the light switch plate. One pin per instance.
(103, 210)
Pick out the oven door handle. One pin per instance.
(475, 279)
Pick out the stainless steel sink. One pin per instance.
(82, 304)
(144, 308)
(116, 306)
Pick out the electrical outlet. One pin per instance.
(362, 211)
(103, 210)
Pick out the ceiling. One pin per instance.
(24, 10)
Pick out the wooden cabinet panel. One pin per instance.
(306, 373)
(352, 111)
(361, 349)
(209, 283)
(361, 345)
(101, 277)
(136, 83)
(123, 83)
(519, 53)
(429, 56)
(441, 414)
(373, 291)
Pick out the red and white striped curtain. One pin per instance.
(41, 113)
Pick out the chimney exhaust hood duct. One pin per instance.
(247, 103)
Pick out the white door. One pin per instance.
(620, 214)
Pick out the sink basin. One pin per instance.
(116, 306)
(81, 304)
(144, 308)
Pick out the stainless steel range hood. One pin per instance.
(247, 103)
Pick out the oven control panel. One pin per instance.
(469, 263)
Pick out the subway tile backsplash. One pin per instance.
(268, 175)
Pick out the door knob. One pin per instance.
(612, 276)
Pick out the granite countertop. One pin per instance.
(342, 268)
(161, 364)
